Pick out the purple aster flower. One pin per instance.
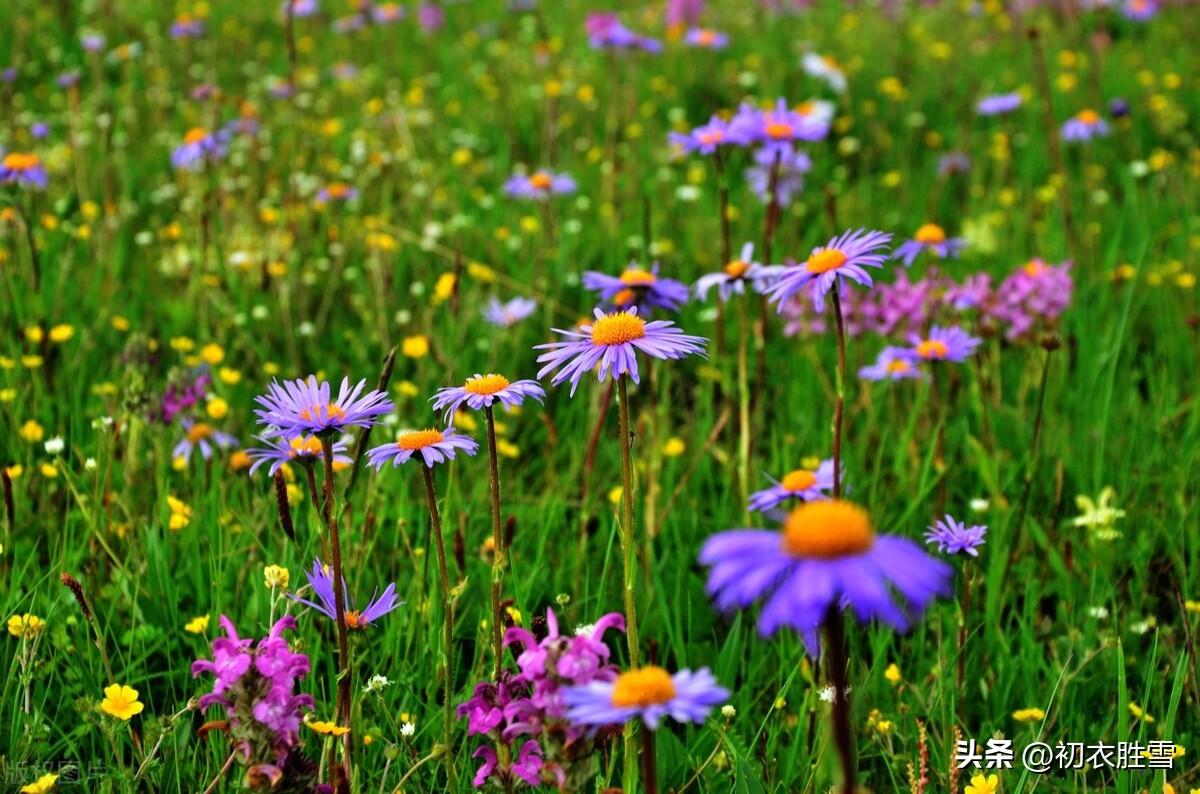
(953, 163)
(1118, 108)
(435, 446)
(302, 406)
(336, 193)
(387, 13)
(9, 75)
(1083, 126)
(68, 79)
(481, 391)
(778, 128)
(732, 279)
(24, 169)
(706, 38)
(955, 537)
(893, 363)
(707, 138)
(930, 237)
(944, 344)
(508, 314)
(649, 693)
(186, 27)
(304, 450)
(539, 186)
(844, 256)
(38, 130)
(826, 556)
(637, 287)
(998, 104)
(202, 436)
(605, 32)
(805, 485)
(792, 165)
(299, 9)
(320, 578)
(199, 146)
(612, 343)
(1139, 10)
(91, 42)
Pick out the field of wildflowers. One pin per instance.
(654, 396)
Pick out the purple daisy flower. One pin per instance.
(508, 314)
(826, 556)
(24, 169)
(844, 256)
(202, 436)
(186, 27)
(387, 13)
(299, 9)
(955, 537)
(637, 287)
(649, 693)
(805, 485)
(336, 193)
(304, 450)
(481, 391)
(706, 38)
(612, 343)
(792, 165)
(302, 406)
(434, 445)
(539, 186)
(198, 147)
(998, 104)
(1083, 126)
(930, 237)
(944, 344)
(1139, 10)
(893, 363)
(605, 32)
(732, 279)
(91, 42)
(778, 128)
(320, 578)
(707, 138)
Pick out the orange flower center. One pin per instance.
(646, 686)
(898, 365)
(617, 329)
(1088, 116)
(541, 181)
(195, 135)
(827, 529)
(710, 138)
(831, 62)
(737, 268)
(779, 129)
(301, 445)
(930, 233)
(625, 297)
(354, 619)
(21, 161)
(338, 190)
(799, 480)
(419, 439)
(486, 384)
(198, 432)
(636, 277)
(705, 37)
(932, 348)
(825, 260)
(806, 107)
(329, 411)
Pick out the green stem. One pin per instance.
(339, 603)
(447, 621)
(743, 379)
(839, 406)
(498, 551)
(630, 574)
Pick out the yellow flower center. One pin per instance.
(198, 432)
(195, 135)
(831, 62)
(646, 686)
(827, 529)
(825, 260)
(799, 480)
(625, 297)
(898, 365)
(617, 329)
(354, 619)
(779, 130)
(636, 277)
(305, 445)
(932, 348)
(21, 161)
(419, 439)
(486, 384)
(737, 268)
(329, 410)
(930, 233)
(1034, 267)
(541, 181)
(1088, 116)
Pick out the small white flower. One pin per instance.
(90, 464)
(979, 505)
(827, 693)
(1098, 612)
(728, 711)
(584, 630)
(54, 446)
(407, 729)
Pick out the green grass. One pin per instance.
(428, 131)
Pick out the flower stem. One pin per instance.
(743, 382)
(629, 570)
(339, 603)
(649, 767)
(498, 551)
(962, 628)
(448, 621)
(835, 640)
(839, 405)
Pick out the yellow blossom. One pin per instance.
(674, 447)
(34, 334)
(892, 674)
(43, 785)
(507, 449)
(182, 344)
(416, 346)
(197, 625)
(276, 576)
(32, 432)
(327, 728)
(121, 702)
(614, 495)
(217, 408)
(120, 323)
(181, 513)
(212, 353)
(229, 375)
(61, 333)
(1029, 715)
(48, 470)
(1139, 713)
(14, 471)
(25, 626)
(983, 785)
(444, 288)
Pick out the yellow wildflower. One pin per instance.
(1029, 715)
(276, 576)
(197, 625)
(43, 785)
(25, 626)
(416, 346)
(121, 702)
(984, 785)
(32, 432)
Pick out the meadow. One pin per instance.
(965, 436)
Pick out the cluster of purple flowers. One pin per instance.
(530, 703)
(255, 683)
(606, 32)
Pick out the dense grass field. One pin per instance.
(198, 199)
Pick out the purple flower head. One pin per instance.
(778, 128)
(186, 27)
(844, 257)
(974, 292)
(434, 446)
(201, 436)
(893, 363)
(304, 450)
(182, 392)
(955, 537)
(199, 147)
(301, 406)
(707, 138)
(706, 38)
(647, 693)
(336, 193)
(24, 169)
(944, 344)
(539, 186)
(684, 12)
(387, 13)
(611, 343)
(1031, 298)
(1083, 126)
(998, 104)
(91, 42)
(431, 17)
(299, 9)
(825, 557)
(803, 485)
(930, 237)
(481, 391)
(68, 79)
(508, 314)
(637, 287)
(1118, 108)
(320, 578)
(1139, 10)
(605, 32)
(39, 130)
(732, 279)
(790, 165)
